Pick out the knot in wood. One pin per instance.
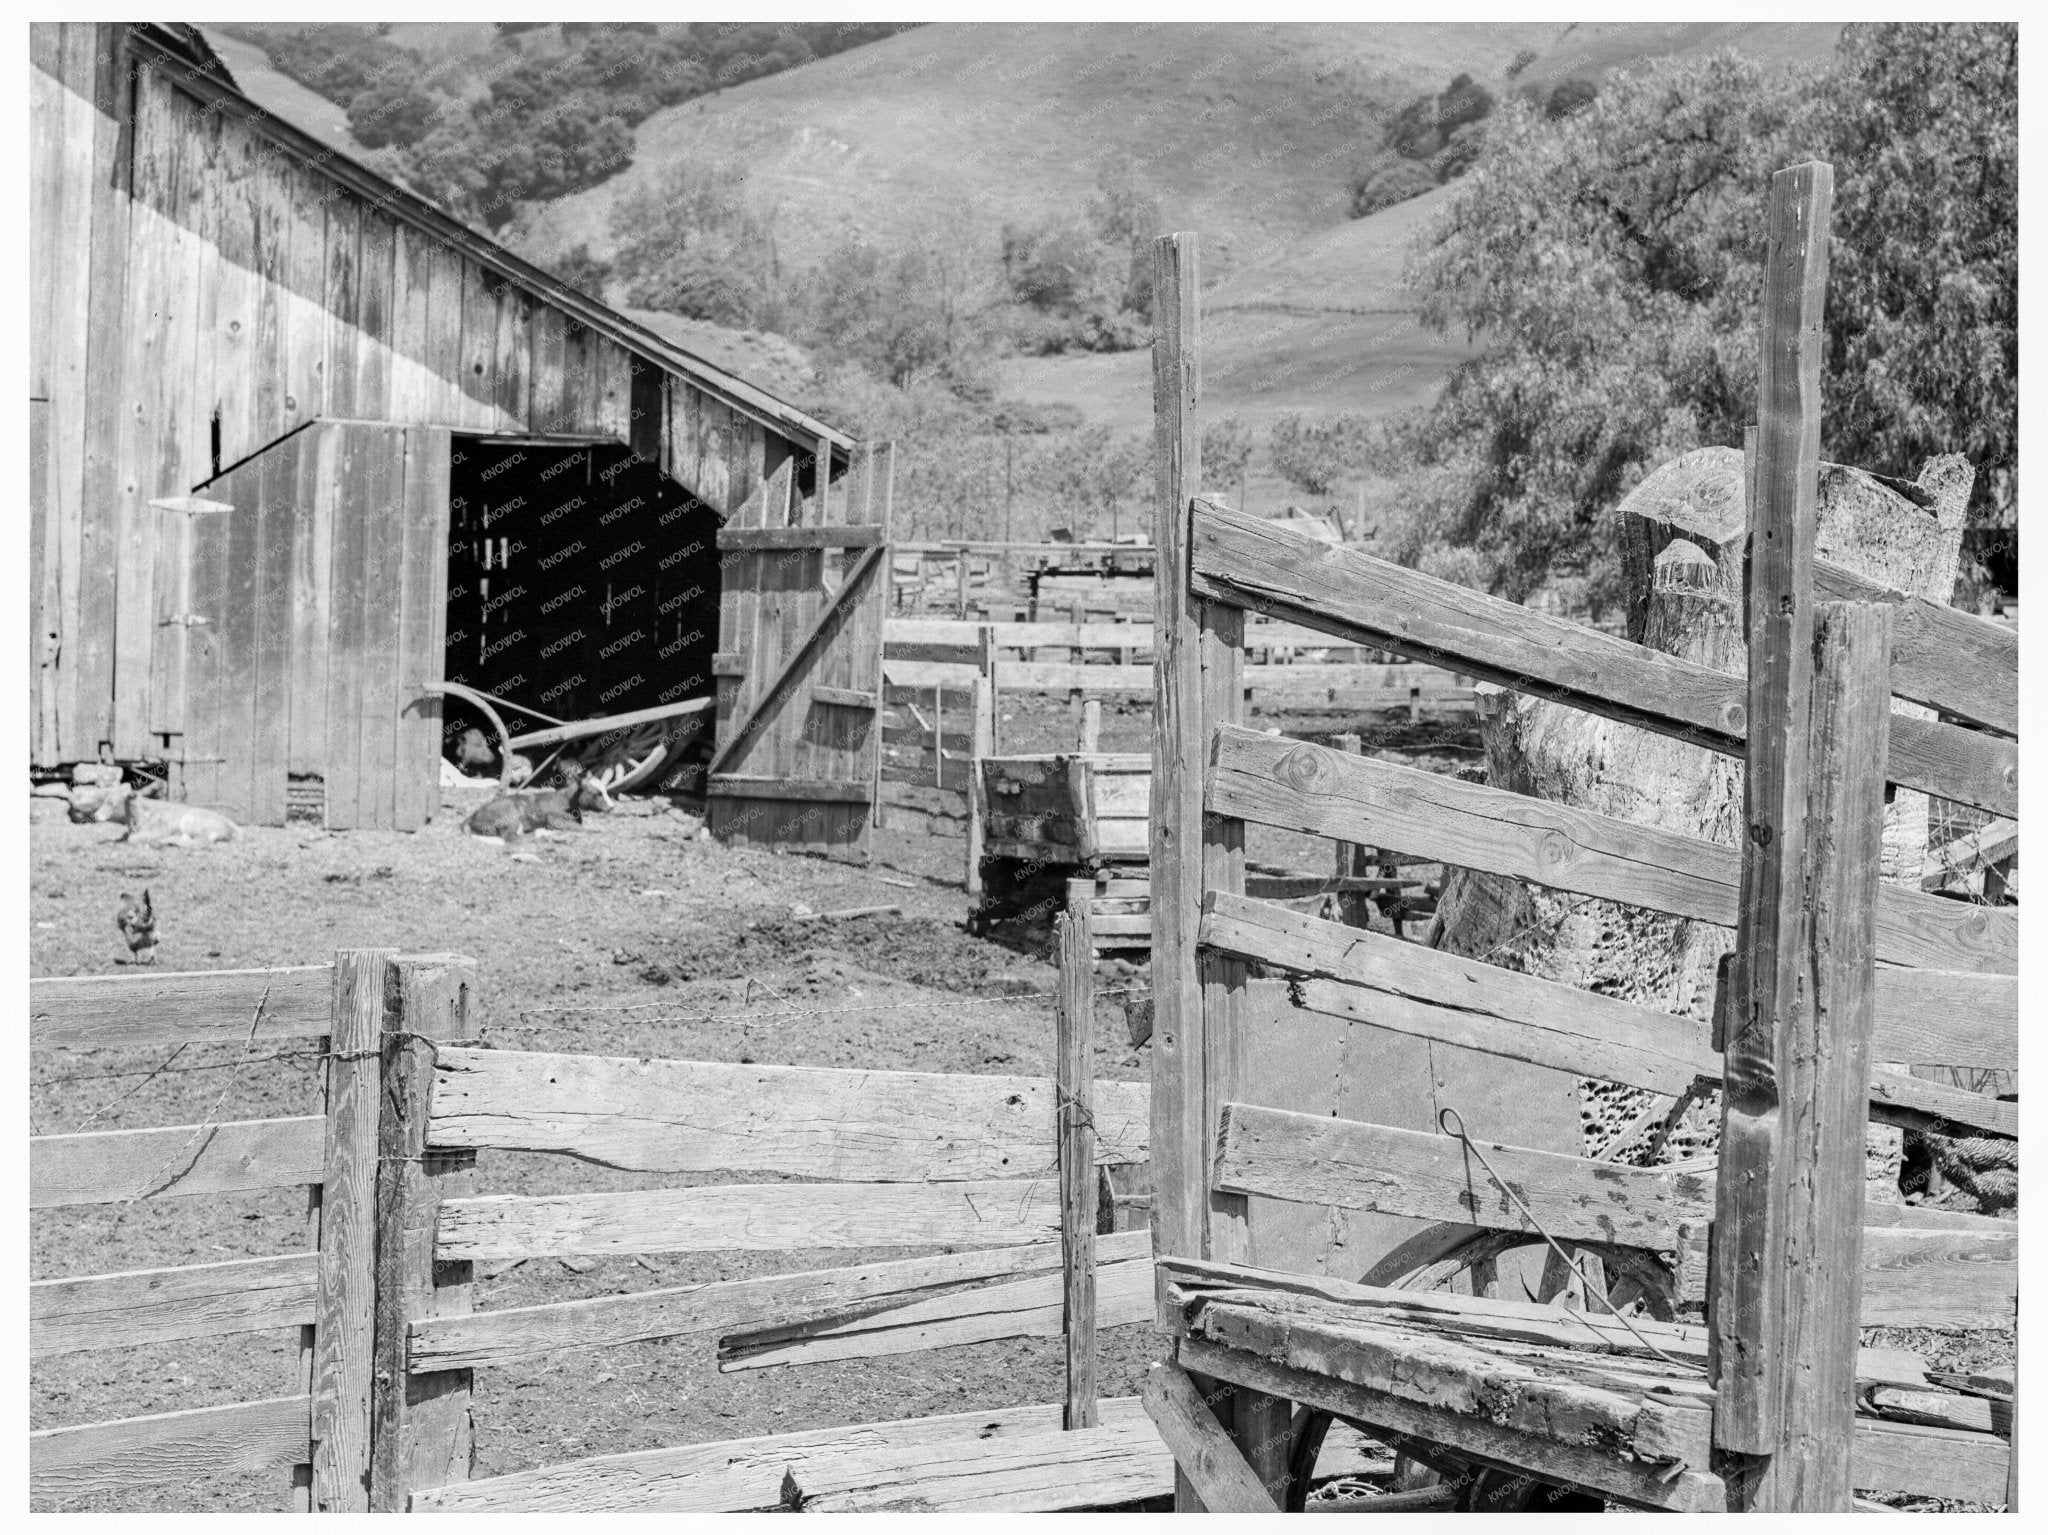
(1555, 849)
(1305, 768)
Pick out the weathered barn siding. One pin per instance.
(205, 281)
(318, 601)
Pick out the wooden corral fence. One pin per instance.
(1770, 1405)
(321, 1434)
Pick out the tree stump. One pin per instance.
(1684, 534)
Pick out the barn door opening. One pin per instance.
(799, 661)
(582, 584)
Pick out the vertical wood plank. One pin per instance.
(311, 573)
(1823, 1066)
(383, 584)
(235, 669)
(375, 257)
(303, 325)
(285, 483)
(614, 386)
(514, 358)
(410, 389)
(1747, 1321)
(422, 1435)
(1074, 1023)
(247, 228)
(87, 540)
(41, 690)
(270, 200)
(344, 334)
(442, 397)
(548, 329)
(1179, 753)
(355, 485)
(345, 1310)
(209, 537)
(479, 371)
(422, 588)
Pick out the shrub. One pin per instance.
(1387, 181)
(1568, 97)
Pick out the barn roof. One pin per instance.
(185, 57)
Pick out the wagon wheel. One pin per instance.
(640, 758)
(1629, 1275)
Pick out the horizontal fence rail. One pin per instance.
(1302, 787)
(104, 1012)
(1355, 597)
(700, 1116)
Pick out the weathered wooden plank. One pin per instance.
(360, 477)
(836, 536)
(1303, 787)
(699, 1116)
(302, 322)
(1900, 1098)
(1179, 1063)
(1919, 1278)
(1946, 1018)
(421, 1433)
(285, 481)
(107, 1311)
(343, 1359)
(1202, 1448)
(1315, 1160)
(550, 409)
(752, 1217)
(1931, 1462)
(312, 534)
(235, 626)
(344, 339)
(1380, 980)
(376, 724)
(1936, 1409)
(785, 1304)
(1480, 1316)
(763, 787)
(1302, 1374)
(1253, 562)
(101, 1012)
(375, 256)
(1074, 1041)
(114, 1166)
(1086, 1468)
(423, 602)
(1941, 656)
(1033, 1307)
(748, 1474)
(1774, 1083)
(441, 361)
(167, 1447)
(1066, 677)
(513, 369)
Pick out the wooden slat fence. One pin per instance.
(320, 1435)
(1889, 955)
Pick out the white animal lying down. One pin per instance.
(155, 820)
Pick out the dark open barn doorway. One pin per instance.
(582, 583)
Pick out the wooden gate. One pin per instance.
(300, 601)
(799, 661)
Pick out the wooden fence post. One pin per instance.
(422, 1435)
(1197, 1039)
(345, 1310)
(982, 744)
(1076, 1105)
(1091, 726)
(1354, 904)
(1747, 1324)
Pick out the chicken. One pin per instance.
(137, 922)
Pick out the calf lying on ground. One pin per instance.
(155, 820)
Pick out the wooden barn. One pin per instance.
(303, 445)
